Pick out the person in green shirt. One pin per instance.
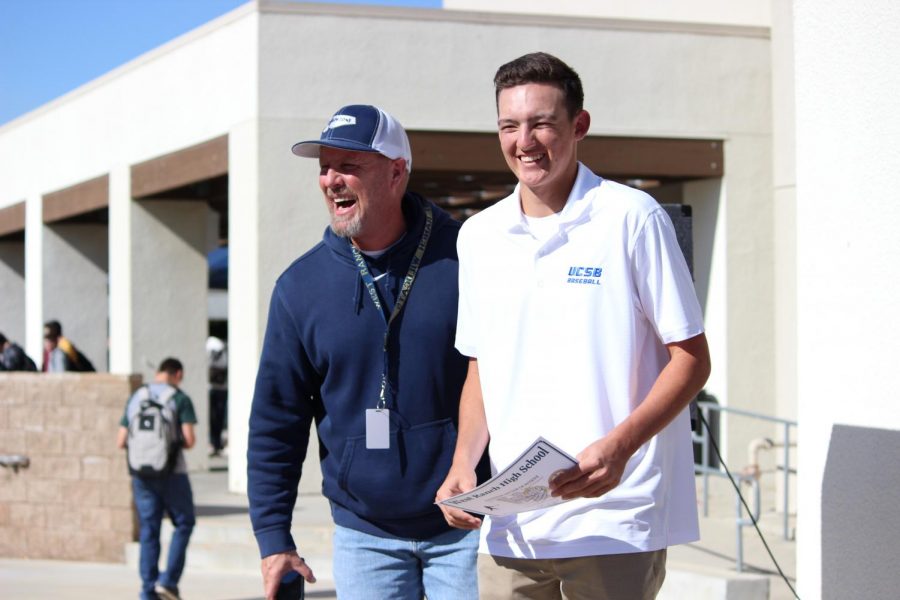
(171, 493)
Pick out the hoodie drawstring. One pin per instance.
(357, 294)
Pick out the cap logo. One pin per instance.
(340, 121)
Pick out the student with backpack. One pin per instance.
(157, 425)
(13, 357)
(60, 354)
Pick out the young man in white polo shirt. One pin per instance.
(580, 319)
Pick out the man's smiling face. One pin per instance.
(356, 186)
(538, 136)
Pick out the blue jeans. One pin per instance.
(368, 567)
(153, 498)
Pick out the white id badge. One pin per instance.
(378, 428)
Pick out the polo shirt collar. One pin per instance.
(576, 210)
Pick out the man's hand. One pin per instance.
(276, 566)
(457, 482)
(599, 470)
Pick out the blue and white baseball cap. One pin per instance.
(362, 128)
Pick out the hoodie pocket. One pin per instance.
(400, 481)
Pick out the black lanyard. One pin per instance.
(401, 298)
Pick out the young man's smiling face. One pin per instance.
(538, 138)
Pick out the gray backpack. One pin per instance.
(154, 435)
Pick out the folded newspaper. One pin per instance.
(522, 486)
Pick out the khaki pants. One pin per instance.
(636, 576)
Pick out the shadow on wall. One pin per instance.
(860, 528)
(703, 197)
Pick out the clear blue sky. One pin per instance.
(50, 47)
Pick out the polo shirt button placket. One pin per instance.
(538, 271)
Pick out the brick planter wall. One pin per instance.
(74, 500)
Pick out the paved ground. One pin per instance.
(69, 580)
(61, 580)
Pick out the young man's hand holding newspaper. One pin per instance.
(522, 486)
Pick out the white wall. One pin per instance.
(848, 250)
(745, 12)
(437, 73)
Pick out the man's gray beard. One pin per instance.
(349, 229)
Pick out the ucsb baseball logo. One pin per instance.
(586, 275)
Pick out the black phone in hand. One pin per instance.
(291, 587)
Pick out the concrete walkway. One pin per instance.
(716, 552)
(217, 510)
(62, 580)
(705, 569)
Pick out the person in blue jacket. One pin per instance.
(360, 340)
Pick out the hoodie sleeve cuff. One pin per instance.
(274, 541)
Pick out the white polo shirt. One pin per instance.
(569, 334)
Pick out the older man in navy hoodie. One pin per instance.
(360, 340)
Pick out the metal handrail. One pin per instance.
(703, 439)
(740, 521)
(14, 461)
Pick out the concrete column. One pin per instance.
(12, 284)
(244, 304)
(707, 202)
(34, 281)
(275, 213)
(75, 285)
(747, 291)
(784, 227)
(120, 271)
(168, 299)
(732, 227)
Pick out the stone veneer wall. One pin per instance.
(74, 500)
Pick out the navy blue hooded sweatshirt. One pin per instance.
(322, 362)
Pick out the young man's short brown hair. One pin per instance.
(540, 67)
(52, 330)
